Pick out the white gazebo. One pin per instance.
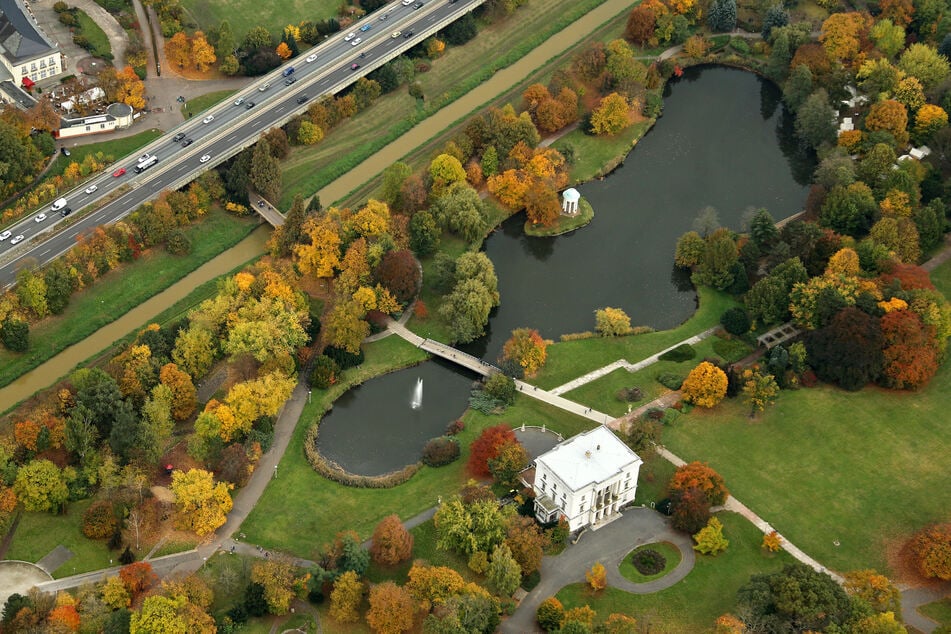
(569, 201)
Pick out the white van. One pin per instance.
(59, 204)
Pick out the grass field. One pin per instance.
(123, 289)
(594, 155)
(825, 466)
(940, 611)
(99, 43)
(116, 148)
(570, 359)
(300, 511)
(39, 533)
(693, 604)
(201, 103)
(242, 15)
(941, 277)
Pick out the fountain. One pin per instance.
(417, 401)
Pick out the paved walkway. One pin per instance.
(43, 9)
(627, 365)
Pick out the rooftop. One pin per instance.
(20, 38)
(592, 456)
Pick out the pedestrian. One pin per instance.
(232, 549)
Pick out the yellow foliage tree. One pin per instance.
(322, 255)
(844, 262)
(842, 34)
(281, 582)
(896, 204)
(772, 542)
(283, 51)
(705, 386)
(929, 119)
(612, 115)
(345, 598)
(202, 505)
(597, 577)
(203, 53)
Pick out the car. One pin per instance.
(65, 151)
(39, 218)
(287, 72)
(395, 34)
(354, 66)
(302, 99)
(312, 58)
(356, 41)
(144, 157)
(187, 142)
(406, 3)
(5, 235)
(66, 211)
(418, 5)
(249, 105)
(208, 119)
(350, 36)
(289, 81)
(365, 28)
(205, 158)
(119, 172)
(385, 16)
(408, 34)
(178, 137)
(264, 86)
(17, 240)
(91, 189)
(58, 204)
(239, 101)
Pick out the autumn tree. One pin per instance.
(41, 486)
(468, 528)
(184, 394)
(509, 461)
(710, 539)
(924, 63)
(443, 172)
(550, 614)
(842, 34)
(487, 446)
(874, 589)
(640, 24)
(889, 116)
(391, 542)
(597, 577)
(527, 542)
(321, 256)
(202, 53)
(346, 597)
(345, 327)
(391, 608)
(699, 476)
(612, 115)
(138, 577)
(772, 542)
(170, 614)
(177, 49)
(928, 120)
(281, 581)
(760, 390)
(541, 205)
(705, 386)
(611, 322)
(202, 506)
(910, 351)
(526, 348)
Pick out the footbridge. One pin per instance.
(443, 351)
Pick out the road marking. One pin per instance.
(232, 138)
(281, 109)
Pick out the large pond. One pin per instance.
(724, 141)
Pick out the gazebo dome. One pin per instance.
(569, 201)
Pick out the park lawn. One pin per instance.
(863, 469)
(39, 533)
(570, 359)
(300, 510)
(941, 278)
(243, 15)
(652, 480)
(597, 155)
(115, 148)
(98, 42)
(202, 102)
(693, 604)
(454, 74)
(940, 611)
(424, 550)
(123, 289)
(434, 327)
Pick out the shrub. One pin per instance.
(931, 550)
(670, 380)
(344, 358)
(99, 520)
(550, 614)
(630, 394)
(683, 352)
(325, 372)
(178, 243)
(440, 451)
(455, 427)
(60, 6)
(531, 580)
(648, 561)
(740, 45)
(736, 321)
(730, 350)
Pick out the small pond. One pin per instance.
(372, 429)
(725, 140)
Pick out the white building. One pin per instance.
(26, 53)
(587, 478)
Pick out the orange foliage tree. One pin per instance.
(486, 447)
(526, 348)
(26, 433)
(391, 543)
(705, 386)
(66, 616)
(137, 577)
(391, 608)
(910, 350)
(842, 35)
(889, 116)
(931, 551)
(700, 476)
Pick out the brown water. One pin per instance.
(49, 372)
(499, 83)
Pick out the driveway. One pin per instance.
(49, 22)
(607, 545)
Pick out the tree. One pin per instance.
(309, 133)
(640, 24)
(399, 272)
(160, 614)
(503, 574)
(689, 251)
(690, 510)
(31, 290)
(874, 589)
(888, 37)
(391, 608)
(194, 350)
(910, 350)
(509, 461)
(701, 477)
(888, 116)
(848, 351)
(283, 51)
(931, 551)
(177, 49)
(924, 64)
(550, 613)
(202, 505)
(345, 598)
(776, 16)
(202, 53)
(795, 598)
(612, 322)
(842, 34)
(466, 309)
(928, 120)
(816, 120)
(16, 334)
(705, 386)
(432, 585)
(41, 486)
(321, 256)
(722, 16)
(138, 577)
(597, 577)
(345, 327)
(710, 540)
(760, 390)
(898, 235)
(612, 115)
(526, 348)
(445, 170)
(265, 171)
(541, 205)
(468, 528)
(391, 542)
(772, 542)
(527, 542)
(280, 580)
(487, 446)
(717, 264)
(183, 392)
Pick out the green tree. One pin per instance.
(468, 528)
(31, 291)
(194, 350)
(849, 210)
(503, 574)
(265, 171)
(445, 170)
(16, 334)
(763, 229)
(393, 178)
(796, 597)
(550, 614)
(816, 120)
(717, 264)
(925, 64)
(689, 251)
(798, 87)
(41, 486)
(424, 233)
(888, 37)
(461, 211)
(60, 285)
(759, 390)
(224, 40)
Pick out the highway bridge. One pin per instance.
(227, 128)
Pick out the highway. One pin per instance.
(225, 129)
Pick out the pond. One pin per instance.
(725, 140)
(373, 428)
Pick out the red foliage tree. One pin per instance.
(137, 577)
(910, 276)
(931, 549)
(399, 273)
(910, 350)
(691, 510)
(698, 475)
(65, 615)
(640, 25)
(486, 447)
